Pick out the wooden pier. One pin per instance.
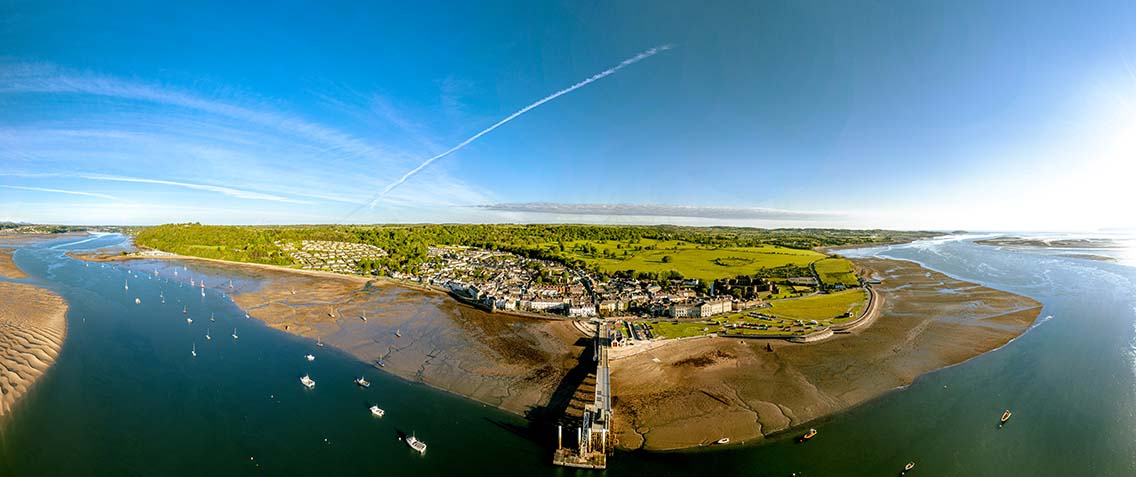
(593, 442)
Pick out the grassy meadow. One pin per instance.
(691, 260)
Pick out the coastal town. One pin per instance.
(501, 281)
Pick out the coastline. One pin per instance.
(693, 392)
(514, 363)
(670, 395)
(33, 327)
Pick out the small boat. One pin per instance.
(1005, 417)
(364, 316)
(185, 309)
(189, 321)
(724, 440)
(382, 364)
(246, 315)
(202, 292)
(318, 342)
(308, 381)
(211, 318)
(808, 435)
(230, 284)
(234, 333)
(207, 337)
(137, 301)
(309, 357)
(194, 350)
(907, 468)
(397, 333)
(125, 285)
(377, 411)
(416, 444)
(363, 382)
(191, 282)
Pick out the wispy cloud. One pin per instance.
(61, 191)
(39, 78)
(596, 77)
(652, 210)
(237, 193)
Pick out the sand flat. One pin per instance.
(693, 392)
(8, 268)
(33, 326)
(514, 363)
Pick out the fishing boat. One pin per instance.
(207, 337)
(397, 333)
(308, 381)
(234, 333)
(137, 301)
(907, 468)
(724, 440)
(416, 444)
(211, 318)
(377, 411)
(364, 316)
(193, 350)
(309, 357)
(363, 382)
(808, 435)
(1005, 417)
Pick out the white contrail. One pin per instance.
(608, 72)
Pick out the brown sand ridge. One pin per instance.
(8, 268)
(692, 392)
(32, 329)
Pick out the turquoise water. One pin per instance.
(126, 397)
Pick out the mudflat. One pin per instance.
(693, 392)
(510, 362)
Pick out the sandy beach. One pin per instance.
(693, 392)
(33, 326)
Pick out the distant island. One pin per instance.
(1053, 243)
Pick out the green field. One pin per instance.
(819, 307)
(682, 329)
(836, 271)
(691, 260)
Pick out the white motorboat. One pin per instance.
(194, 350)
(137, 301)
(363, 382)
(309, 357)
(308, 381)
(234, 333)
(416, 444)
(377, 411)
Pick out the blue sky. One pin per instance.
(1000, 115)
